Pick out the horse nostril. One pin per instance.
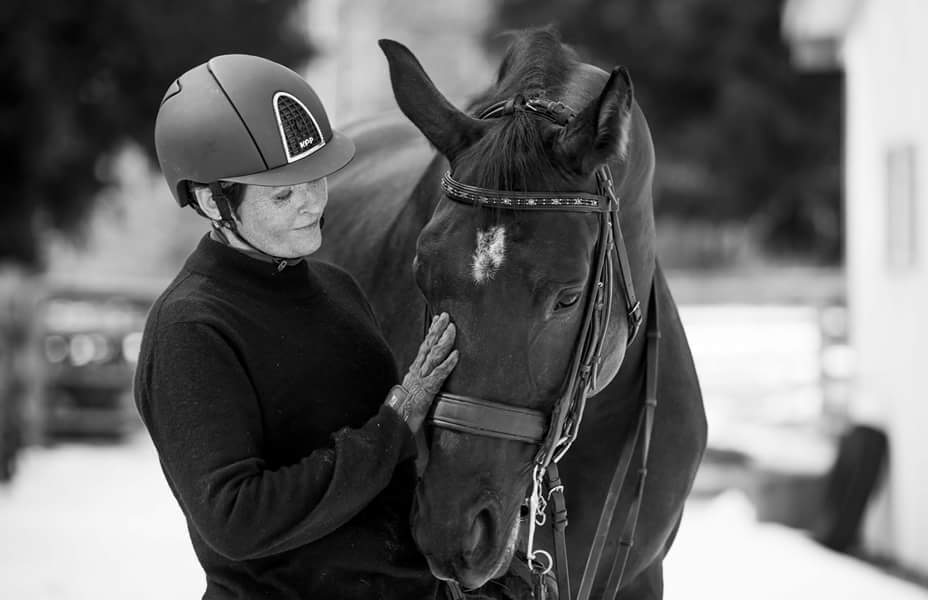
(479, 532)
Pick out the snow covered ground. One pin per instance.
(98, 522)
(94, 522)
(723, 553)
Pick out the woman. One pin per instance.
(263, 378)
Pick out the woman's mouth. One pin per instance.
(309, 226)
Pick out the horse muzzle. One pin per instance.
(469, 545)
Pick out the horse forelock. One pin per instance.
(515, 154)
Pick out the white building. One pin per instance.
(882, 47)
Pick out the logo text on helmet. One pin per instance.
(299, 131)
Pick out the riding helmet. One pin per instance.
(245, 119)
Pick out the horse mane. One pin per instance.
(536, 61)
(514, 153)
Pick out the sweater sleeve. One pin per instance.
(203, 416)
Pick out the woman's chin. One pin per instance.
(308, 241)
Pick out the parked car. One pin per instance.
(90, 342)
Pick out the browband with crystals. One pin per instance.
(573, 201)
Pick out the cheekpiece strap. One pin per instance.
(564, 201)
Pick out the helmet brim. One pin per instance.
(336, 153)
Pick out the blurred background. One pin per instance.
(787, 135)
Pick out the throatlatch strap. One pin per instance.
(632, 306)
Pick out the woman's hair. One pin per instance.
(235, 192)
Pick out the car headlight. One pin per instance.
(56, 348)
(131, 345)
(82, 350)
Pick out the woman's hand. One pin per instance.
(428, 372)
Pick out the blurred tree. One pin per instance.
(81, 78)
(740, 134)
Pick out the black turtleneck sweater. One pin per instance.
(263, 392)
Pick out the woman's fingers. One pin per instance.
(436, 349)
(445, 368)
(437, 325)
(440, 350)
(437, 377)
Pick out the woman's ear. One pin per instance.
(204, 199)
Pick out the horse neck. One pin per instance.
(636, 202)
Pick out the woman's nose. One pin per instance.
(313, 196)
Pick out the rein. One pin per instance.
(554, 434)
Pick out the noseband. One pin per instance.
(554, 435)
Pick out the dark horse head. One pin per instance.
(514, 282)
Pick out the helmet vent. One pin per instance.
(299, 131)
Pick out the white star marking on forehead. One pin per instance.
(489, 254)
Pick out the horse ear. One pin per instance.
(447, 128)
(601, 130)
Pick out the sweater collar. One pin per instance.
(218, 260)
(218, 235)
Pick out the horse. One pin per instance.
(520, 286)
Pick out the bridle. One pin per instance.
(554, 435)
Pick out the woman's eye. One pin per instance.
(283, 195)
(567, 301)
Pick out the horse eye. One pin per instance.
(567, 301)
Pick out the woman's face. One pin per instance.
(283, 220)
